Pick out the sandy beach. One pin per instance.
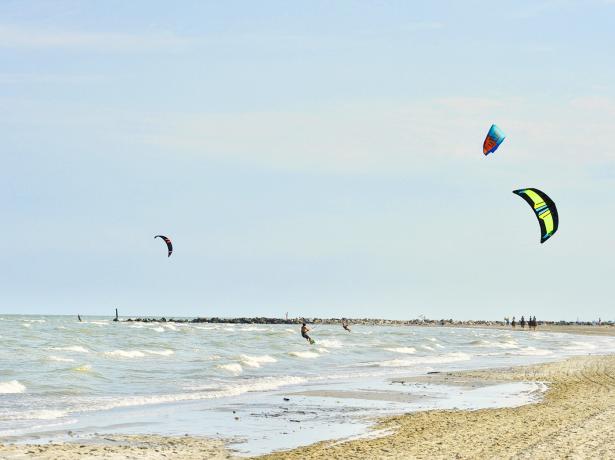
(575, 419)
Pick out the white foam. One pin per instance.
(165, 352)
(414, 361)
(531, 351)
(28, 325)
(124, 354)
(44, 414)
(263, 384)
(256, 361)
(75, 348)
(233, 368)
(508, 344)
(403, 350)
(60, 359)
(304, 354)
(137, 353)
(330, 343)
(11, 387)
(209, 327)
(158, 329)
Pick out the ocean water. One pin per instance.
(261, 386)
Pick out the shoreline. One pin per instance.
(363, 321)
(575, 417)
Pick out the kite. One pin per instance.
(544, 208)
(169, 244)
(494, 138)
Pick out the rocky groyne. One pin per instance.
(364, 321)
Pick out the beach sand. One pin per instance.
(575, 419)
(122, 447)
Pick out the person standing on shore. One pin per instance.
(514, 323)
(522, 322)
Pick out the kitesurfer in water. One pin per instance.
(345, 325)
(304, 331)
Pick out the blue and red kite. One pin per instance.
(494, 138)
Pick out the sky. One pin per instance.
(314, 157)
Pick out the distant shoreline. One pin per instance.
(550, 325)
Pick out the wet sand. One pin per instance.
(567, 329)
(576, 419)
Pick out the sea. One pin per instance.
(259, 387)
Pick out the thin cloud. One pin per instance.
(19, 37)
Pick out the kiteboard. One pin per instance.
(312, 341)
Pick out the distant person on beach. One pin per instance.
(345, 325)
(79, 317)
(514, 322)
(522, 322)
(304, 331)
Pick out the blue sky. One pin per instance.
(320, 158)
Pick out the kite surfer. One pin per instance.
(304, 331)
(345, 325)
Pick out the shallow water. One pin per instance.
(57, 374)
